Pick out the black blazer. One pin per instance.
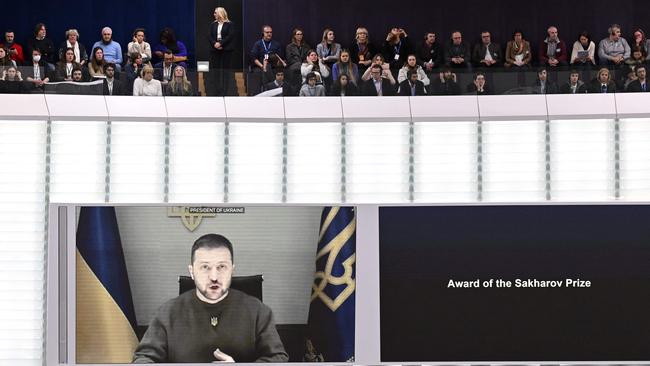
(566, 88)
(227, 36)
(595, 87)
(479, 53)
(551, 87)
(368, 88)
(635, 86)
(405, 88)
(118, 88)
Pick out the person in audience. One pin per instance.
(641, 83)
(328, 51)
(38, 73)
(630, 76)
(296, 52)
(486, 53)
(65, 66)
(146, 85)
(222, 45)
(411, 85)
(347, 67)
(362, 50)
(639, 40)
(379, 60)
(140, 45)
(518, 51)
(574, 85)
(343, 87)
(13, 81)
(265, 55)
(457, 54)
(602, 83)
(614, 49)
(11, 73)
(168, 41)
(583, 52)
(396, 48)
(77, 87)
(43, 44)
(479, 85)
(133, 70)
(112, 86)
(112, 51)
(638, 57)
(310, 88)
(5, 59)
(446, 83)
(165, 69)
(96, 64)
(311, 65)
(15, 49)
(411, 64)
(279, 82)
(380, 83)
(552, 50)
(429, 53)
(72, 41)
(179, 86)
(542, 84)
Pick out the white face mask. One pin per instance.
(36, 58)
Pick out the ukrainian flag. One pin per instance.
(331, 312)
(105, 316)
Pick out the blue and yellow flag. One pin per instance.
(105, 316)
(331, 313)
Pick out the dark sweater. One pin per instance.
(182, 331)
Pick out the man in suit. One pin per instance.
(641, 83)
(164, 71)
(112, 86)
(543, 85)
(574, 85)
(487, 54)
(379, 84)
(445, 84)
(602, 83)
(478, 86)
(411, 86)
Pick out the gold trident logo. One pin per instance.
(190, 220)
(332, 249)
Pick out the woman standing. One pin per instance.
(222, 34)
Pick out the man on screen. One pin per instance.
(215, 322)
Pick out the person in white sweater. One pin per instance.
(146, 84)
(411, 64)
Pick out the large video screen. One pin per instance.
(515, 283)
(202, 284)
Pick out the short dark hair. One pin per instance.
(479, 73)
(311, 75)
(38, 27)
(411, 72)
(574, 71)
(169, 52)
(107, 65)
(636, 70)
(212, 241)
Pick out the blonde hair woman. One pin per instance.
(179, 85)
(147, 85)
(222, 35)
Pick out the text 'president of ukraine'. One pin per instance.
(215, 322)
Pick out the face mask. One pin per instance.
(37, 58)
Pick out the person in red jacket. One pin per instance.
(15, 50)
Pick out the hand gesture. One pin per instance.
(222, 357)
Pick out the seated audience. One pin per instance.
(638, 57)
(552, 51)
(11, 81)
(411, 86)
(43, 44)
(168, 41)
(641, 83)
(112, 86)
(287, 89)
(311, 65)
(583, 52)
(328, 51)
(411, 64)
(15, 49)
(146, 85)
(11, 73)
(396, 48)
(296, 52)
(478, 86)
(347, 67)
(446, 83)
(112, 51)
(457, 54)
(38, 73)
(5, 59)
(602, 83)
(96, 64)
(487, 54)
(139, 45)
(629, 76)
(542, 84)
(518, 51)
(613, 50)
(574, 85)
(343, 87)
(639, 40)
(379, 60)
(65, 66)
(179, 86)
(429, 53)
(381, 82)
(265, 54)
(310, 88)
(134, 68)
(362, 50)
(72, 41)
(165, 69)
